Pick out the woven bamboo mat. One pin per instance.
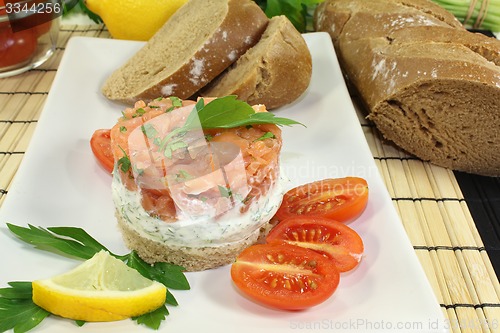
(427, 198)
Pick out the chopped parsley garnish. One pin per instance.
(267, 135)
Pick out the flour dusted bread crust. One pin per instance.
(275, 72)
(430, 86)
(196, 44)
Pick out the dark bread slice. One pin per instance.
(275, 72)
(195, 45)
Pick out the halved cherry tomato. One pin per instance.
(100, 143)
(340, 199)
(285, 276)
(328, 237)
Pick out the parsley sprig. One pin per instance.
(299, 12)
(229, 112)
(17, 310)
(224, 112)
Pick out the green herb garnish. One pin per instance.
(267, 135)
(223, 112)
(124, 162)
(17, 310)
(176, 101)
(149, 130)
(229, 112)
(299, 12)
(225, 192)
(183, 175)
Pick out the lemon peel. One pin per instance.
(103, 288)
(134, 19)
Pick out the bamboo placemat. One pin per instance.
(428, 199)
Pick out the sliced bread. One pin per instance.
(430, 86)
(195, 45)
(275, 72)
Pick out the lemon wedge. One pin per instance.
(134, 19)
(103, 288)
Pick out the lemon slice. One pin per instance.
(103, 288)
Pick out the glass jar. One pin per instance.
(28, 35)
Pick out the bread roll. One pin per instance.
(195, 45)
(430, 86)
(275, 72)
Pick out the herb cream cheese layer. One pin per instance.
(233, 226)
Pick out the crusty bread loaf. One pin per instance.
(195, 45)
(275, 72)
(430, 86)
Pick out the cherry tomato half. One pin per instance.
(284, 276)
(100, 143)
(16, 47)
(328, 237)
(340, 199)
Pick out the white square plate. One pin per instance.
(60, 184)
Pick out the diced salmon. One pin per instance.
(208, 171)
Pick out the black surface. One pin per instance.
(484, 32)
(482, 195)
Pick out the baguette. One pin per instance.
(429, 85)
(195, 45)
(275, 72)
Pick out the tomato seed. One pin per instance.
(312, 233)
(301, 285)
(313, 285)
(304, 234)
(288, 285)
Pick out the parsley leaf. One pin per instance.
(228, 112)
(17, 310)
(267, 135)
(170, 275)
(299, 12)
(225, 192)
(81, 246)
(124, 162)
(223, 111)
(149, 130)
(153, 318)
